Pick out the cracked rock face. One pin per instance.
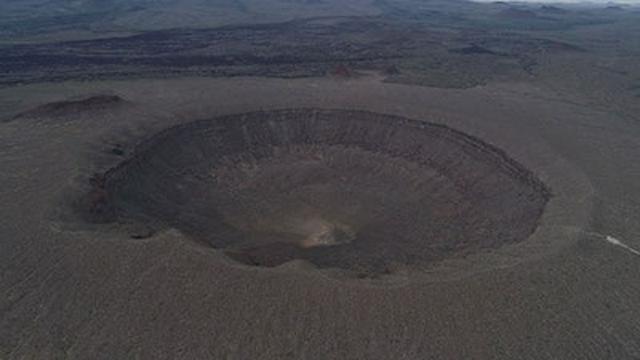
(358, 191)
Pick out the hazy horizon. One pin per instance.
(573, 2)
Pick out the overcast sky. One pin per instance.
(634, 2)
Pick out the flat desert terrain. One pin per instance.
(357, 185)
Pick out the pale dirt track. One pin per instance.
(73, 290)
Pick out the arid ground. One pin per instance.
(349, 182)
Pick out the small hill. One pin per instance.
(553, 10)
(473, 49)
(71, 107)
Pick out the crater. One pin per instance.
(352, 190)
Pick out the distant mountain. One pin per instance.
(553, 10)
(516, 13)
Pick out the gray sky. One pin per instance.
(599, 2)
